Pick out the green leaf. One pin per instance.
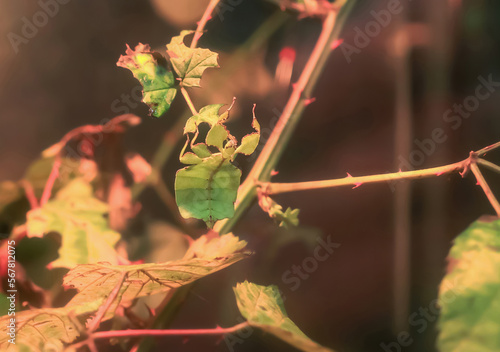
(189, 64)
(45, 329)
(470, 293)
(79, 218)
(98, 280)
(263, 308)
(155, 77)
(207, 190)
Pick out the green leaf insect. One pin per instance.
(207, 189)
(152, 71)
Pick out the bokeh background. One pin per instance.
(371, 105)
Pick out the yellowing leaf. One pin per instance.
(470, 293)
(263, 308)
(189, 64)
(40, 330)
(79, 218)
(155, 77)
(98, 280)
(209, 248)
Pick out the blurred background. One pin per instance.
(401, 92)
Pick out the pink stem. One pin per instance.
(47, 191)
(169, 332)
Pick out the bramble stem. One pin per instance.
(489, 165)
(188, 101)
(488, 149)
(299, 99)
(94, 324)
(169, 332)
(277, 188)
(30, 194)
(207, 15)
(486, 188)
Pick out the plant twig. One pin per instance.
(207, 15)
(104, 308)
(30, 194)
(486, 188)
(169, 332)
(188, 101)
(488, 165)
(277, 188)
(488, 149)
(54, 173)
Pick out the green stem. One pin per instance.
(489, 165)
(299, 99)
(188, 101)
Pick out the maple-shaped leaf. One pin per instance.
(208, 188)
(469, 295)
(38, 330)
(263, 308)
(98, 280)
(79, 218)
(189, 64)
(151, 70)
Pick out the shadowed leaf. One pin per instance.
(45, 329)
(79, 218)
(156, 79)
(263, 308)
(470, 293)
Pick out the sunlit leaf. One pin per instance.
(45, 329)
(153, 74)
(206, 247)
(189, 64)
(79, 218)
(98, 280)
(263, 308)
(470, 293)
(207, 190)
